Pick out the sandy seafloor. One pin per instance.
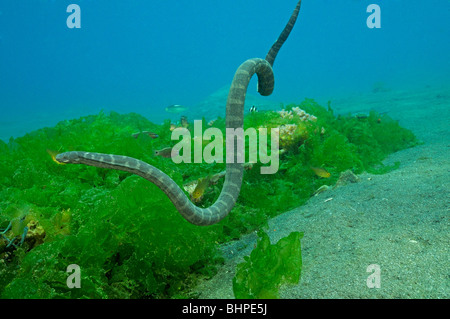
(399, 220)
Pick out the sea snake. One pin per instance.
(234, 119)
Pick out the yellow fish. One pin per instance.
(321, 172)
(53, 156)
(202, 185)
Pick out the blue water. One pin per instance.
(140, 56)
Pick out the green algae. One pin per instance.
(268, 267)
(124, 233)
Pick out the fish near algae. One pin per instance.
(200, 189)
(321, 172)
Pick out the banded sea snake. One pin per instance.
(234, 119)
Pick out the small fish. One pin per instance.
(165, 152)
(53, 156)
(253, 109)
(321, 172)
(361, 116)
(172, 126)
(176, 108)
(184, 122)
(199, 190)
(151, 134)
(210, 123)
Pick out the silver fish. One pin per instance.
(176, 108)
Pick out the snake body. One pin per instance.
(234, 120)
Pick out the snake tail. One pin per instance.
(270, 57)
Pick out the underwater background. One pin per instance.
(143, 56)
(381, 97)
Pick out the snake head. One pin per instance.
(68, 157)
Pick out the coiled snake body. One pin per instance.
(234, 119)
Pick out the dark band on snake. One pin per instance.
(234, 119)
